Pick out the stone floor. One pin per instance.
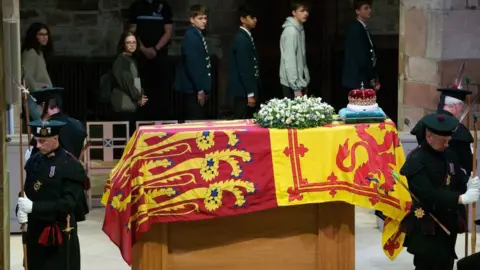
(99, 253)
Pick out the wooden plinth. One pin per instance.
(307, 237)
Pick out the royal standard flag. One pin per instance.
(208, 170)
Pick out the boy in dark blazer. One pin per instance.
(194, 77)
(360, 58)
(243, 79)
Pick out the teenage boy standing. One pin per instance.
(360, 58)
(294, 74)
(194, 78)
(243, 80)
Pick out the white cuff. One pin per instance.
(251, 94)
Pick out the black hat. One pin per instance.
(44, 129)
(440, 124)
(45, 94)
(452, 92)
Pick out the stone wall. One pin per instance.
(92, 27)
(435, 37)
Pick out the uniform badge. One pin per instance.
(37, 185)
(419, 213)
(52, 171)
(447, 182)
(452, 169)
(43, 131)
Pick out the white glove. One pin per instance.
(473, 183)
(25, 204)
(22, 217)
(27, 154)
(470, 196)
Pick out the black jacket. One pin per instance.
(243, 72)
(358, 64)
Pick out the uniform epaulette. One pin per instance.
(71, 155)
(32, 160)
(411, 166)
(413, 151)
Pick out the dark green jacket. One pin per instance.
(243, 72)
(55, 185)
(358, 64)
(194, 72)
(436, 179)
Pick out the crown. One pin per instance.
(362, 97)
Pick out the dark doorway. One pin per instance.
(325, 43)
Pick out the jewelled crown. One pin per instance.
(362, 97)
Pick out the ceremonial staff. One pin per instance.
(67, 231)
(471, 104)
(458, 83)
(398, 180)
(23, 226)
(474, 172)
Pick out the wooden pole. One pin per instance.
(23, 226)
(26, 118)
(467, 207)
(473, 239)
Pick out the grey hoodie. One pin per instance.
(293, 62)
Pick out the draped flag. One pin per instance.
(207, 170)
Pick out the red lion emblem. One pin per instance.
(380, 158)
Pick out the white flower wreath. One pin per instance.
(301, 112)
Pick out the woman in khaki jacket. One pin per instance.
(127, 94)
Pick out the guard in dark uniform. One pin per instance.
(73, 134)
(54, 201)
(452, 102)
(442, 190)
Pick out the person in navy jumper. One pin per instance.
(194, 77)
(243, 73)
(152, 23)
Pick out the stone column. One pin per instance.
(4, 191)
(435, 37)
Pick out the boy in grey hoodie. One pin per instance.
(294, 75)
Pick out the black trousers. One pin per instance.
(155, 83)
(433, 263)
(470, 262)
(241, 110)
(192, 110)
(288, 92)
(130, 117)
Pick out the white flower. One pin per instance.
(301, 112)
